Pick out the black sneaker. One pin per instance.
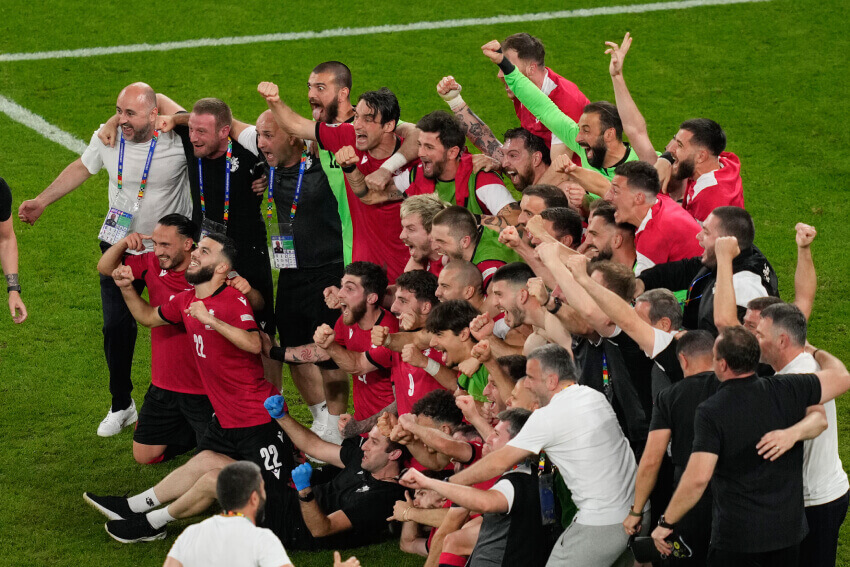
(113, 507)
(134, 529)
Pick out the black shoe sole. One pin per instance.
(157, 536)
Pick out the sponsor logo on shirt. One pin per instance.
(212, 313)
(364, 488)
(247, 317)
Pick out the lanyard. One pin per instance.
(226, 182)
(605, 378)
(301, 169)
(688, 298)
(232, 514)
(147, 169)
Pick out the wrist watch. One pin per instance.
(663, 523)
(309, 497)
(558, 303)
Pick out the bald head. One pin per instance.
(460, 279)
(278, 147)
(136, 110)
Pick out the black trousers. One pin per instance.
(119, 339)
(786, 557)
(820, 546)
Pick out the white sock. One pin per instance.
(332, 422)
(144, 501)
(319, 412)
(158, 518)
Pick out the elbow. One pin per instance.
(256, 345)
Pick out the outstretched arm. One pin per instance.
(476, 130)
(300, 436)
(71, 177)
(833, 376)
(286, 118)
(473, 499)
(633, 123)
(805, 277)
(139, 308)
(492, 465)
(774, 444)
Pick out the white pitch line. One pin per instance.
(349, 32)
(31, 120)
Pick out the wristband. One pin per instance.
(663, 523)
(456, 103)
(394, 162)
(12, 288)
(307, 497)
(348, 168)
(558, 304)
(635, 514)
(432, 367)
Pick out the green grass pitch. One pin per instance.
(774, 74)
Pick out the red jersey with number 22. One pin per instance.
(373, 391)
(375, 227)
(233, 378)
(173, 367)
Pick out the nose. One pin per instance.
(433, 342)
(609, 196)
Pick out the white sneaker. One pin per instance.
(318, 427)
(115, 421)
(332, 435)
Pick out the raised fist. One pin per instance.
(726, 248)
(380, 335)
(324, 336)
(269, 91)
(448, 88)
(481, 327)
(346, 156)
(413, 356)
(492, 49)
(805, 235)
(332, 297)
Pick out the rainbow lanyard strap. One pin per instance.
(228, 157)
(688, 298)
(270, 205)
(605, 377)
(232, 514)
(145, 172)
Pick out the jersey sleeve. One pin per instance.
(332, 138)
(380, 356)
(172, 311)
(707, 437)
(92, 160)
(798, 391)
(661, 412)
(339, 332)
(238, 314)
(535, 434)
(5, 201)
(544, 109)
(491, 191)
(506, 489)
(748, 286)
(139, 263)
(248, 140)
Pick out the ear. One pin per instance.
(536, 159)
(468, 292)
(464, 334)
(188, 244)
(466, 242)
(394, 455)
(372, 299)
(617, 241)
(222, 268)
(389, 127)
(610, 135)
(640, 197)
(683, 362)
(567, 240)
(446, 429)
(522, 297)
(453, 153)
(426, 307)
(666, 324)
(225, 131)
(343, 95)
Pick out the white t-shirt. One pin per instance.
(579, 431)
(228, 541)
(824, 479)
(167, 188)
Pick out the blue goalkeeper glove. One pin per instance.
(276, 406)
(301, 476)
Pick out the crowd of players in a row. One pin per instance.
(532, 349)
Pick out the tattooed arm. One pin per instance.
(508, 216)
(476, 130)
(303, 354)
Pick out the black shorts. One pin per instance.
(252, 263)
(300, 306)
(172, 418)
(267, 445)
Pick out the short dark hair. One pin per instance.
(384, 102)
(618, 278)
(762, 303)
(217, 108)
(373, 278)
(184, 225)
(662, 303)
(236, 482)
(735, 221)
(565, 222)
(447, 126)
(533, 142)
(440, 406)
(421, 284)
(515, 273)
(787, 317)
(513, 366)
(695, 343)
(341, 73)
(527, 47)
(706, 133)
(516, 418)
(551, 195)
(454, 315)
(467, 431)
(555, 358)
(467, 274)
(605, 210)
(460, 221)
(228, 246)
(739, 348)
(609, 117)
(640, 176)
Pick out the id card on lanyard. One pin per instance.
(208, 225)
(282, 251)
(119, 218)
(546, 487)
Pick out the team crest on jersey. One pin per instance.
(212, 314)
(364, 488)
(766, 273)
(234, 164)
(364, 160)
(162, 273)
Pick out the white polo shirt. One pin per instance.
(580, 433)
(231, 541)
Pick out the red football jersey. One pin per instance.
(371, 392)
(233, 378)
(435, 266)
(410, 382)
(566, 96)
(172, 364)
(375, 227)
(719, 188)
(668, 233)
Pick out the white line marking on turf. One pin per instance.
(20, 114)
(348, 32)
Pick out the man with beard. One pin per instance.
(525, 158)
(447, 170)
(417, 214)
(665, 232)
(226, 347)
(606, 239)
(147, 194)
(752, 276)
(176, 411)
(528, 54)
(370, 141)
(597, 138)
(232, 538)
(455, 234)
(712, 175)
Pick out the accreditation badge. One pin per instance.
(116, 225)
(283, 247)
(208, 226)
